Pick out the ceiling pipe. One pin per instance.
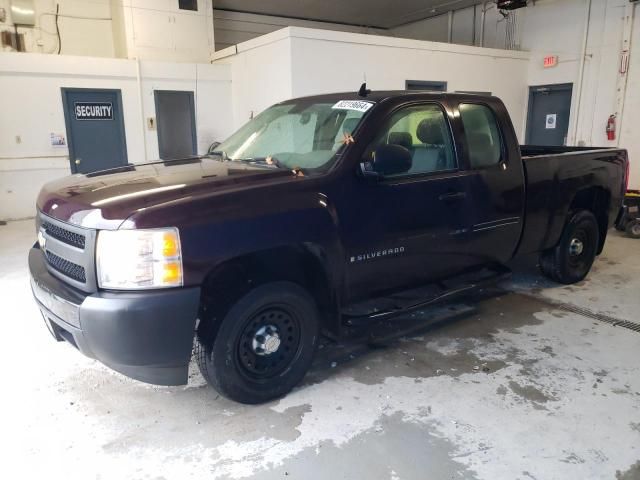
(473, 31)
(141, 108)
(583, 55)
(482, 19)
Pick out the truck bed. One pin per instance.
(557, 176)
(529, 151)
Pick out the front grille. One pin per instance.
(70, 269)
(66, 236)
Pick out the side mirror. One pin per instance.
(212, 147)
(391, 159)
(367, 171)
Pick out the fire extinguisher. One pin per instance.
(611, 127)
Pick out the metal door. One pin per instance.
(176, 120)
(95, 129)
(548, 116)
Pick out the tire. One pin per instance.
(264, 345)
(633, 228)
(571, 259)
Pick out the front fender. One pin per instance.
(311, 222)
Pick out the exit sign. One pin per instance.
(550, 61)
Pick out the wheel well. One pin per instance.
(597, 201)
(300, 264)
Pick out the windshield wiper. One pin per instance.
(219, 153)
(267, 161)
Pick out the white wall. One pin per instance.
(27, 160)
(433, 29)
(629, 136)
(85, 27)
(145, 29)
(158, 30)
(233, 28)
(299, 61)
(545, 31)
(261, 71)
(436, 29)
(556, 27)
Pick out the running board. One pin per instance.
(383, 308)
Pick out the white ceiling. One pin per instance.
(370, 13)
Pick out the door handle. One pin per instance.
(452, 196)
(78, 160)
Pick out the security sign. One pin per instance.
(93, 110)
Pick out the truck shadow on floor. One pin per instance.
(397, 347)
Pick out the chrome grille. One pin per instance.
(64, 235)
(70, 269)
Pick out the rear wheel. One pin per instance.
(264, 344)
(633, 228)
(572, 258)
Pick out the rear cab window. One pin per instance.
(484, 142)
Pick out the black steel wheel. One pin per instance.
(571, 259)
(269, 342)
(264, 344)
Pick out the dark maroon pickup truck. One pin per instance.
(322, 214)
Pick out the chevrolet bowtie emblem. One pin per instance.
(42, 241)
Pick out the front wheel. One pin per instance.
(572, 258)
(264, 344)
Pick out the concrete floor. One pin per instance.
(514, 389)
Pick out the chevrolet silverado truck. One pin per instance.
(321, 215)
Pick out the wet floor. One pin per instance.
(508, 386)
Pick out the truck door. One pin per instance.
(496, 181)
(408, 227)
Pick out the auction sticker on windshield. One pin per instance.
(357, 105)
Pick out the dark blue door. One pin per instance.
(95, 129)
(548, 116)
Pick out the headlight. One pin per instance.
(138, 259)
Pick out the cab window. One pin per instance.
(423, 131)
(483, 135)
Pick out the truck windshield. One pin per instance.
(299, 135)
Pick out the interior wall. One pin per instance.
(433, 29)
(27, 159)
(556, 27)
(466, 28)
(332, 62)
(159, 30)
(232, 28)
(546, 32)
(261, 72)
(85, 27)
(629, 137)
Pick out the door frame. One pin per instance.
(554, 87)
(194, 133)
(67, 121)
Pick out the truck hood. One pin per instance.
(105, 199)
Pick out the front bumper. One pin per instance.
(147, 336)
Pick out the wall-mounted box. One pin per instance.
(23, 13)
